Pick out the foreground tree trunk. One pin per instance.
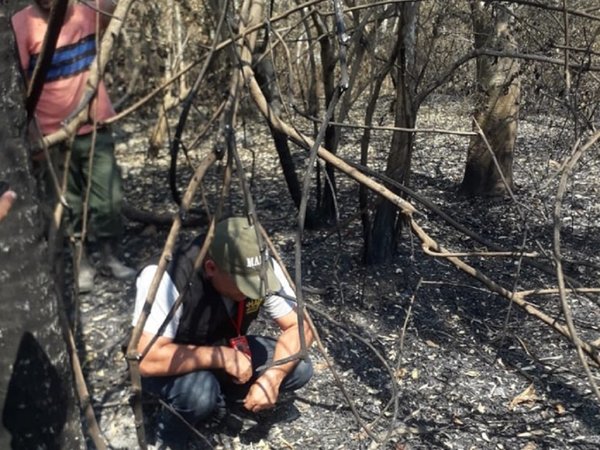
(36, 391)
(496, 105)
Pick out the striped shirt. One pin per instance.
(68, 73)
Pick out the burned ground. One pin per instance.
(426, 352)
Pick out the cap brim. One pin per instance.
(254, 286)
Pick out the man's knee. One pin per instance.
(198, 395)
(305, 371)
(301, 375)
(195, 395)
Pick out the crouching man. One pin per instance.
(204, 360)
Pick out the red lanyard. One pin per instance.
(239, 317)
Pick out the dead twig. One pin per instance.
(577, 154)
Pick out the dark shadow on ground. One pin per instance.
(35, 410)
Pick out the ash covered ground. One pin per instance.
(428, 355)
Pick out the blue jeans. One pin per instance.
(201, 395)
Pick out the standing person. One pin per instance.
(204, 358)
(63, 89)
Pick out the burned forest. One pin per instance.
(426, 172)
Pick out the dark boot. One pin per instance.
(86, 273)
(111, 264)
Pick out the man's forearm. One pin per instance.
(287, 345)
(178, 359)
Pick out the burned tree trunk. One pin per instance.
(36, 390)
(496, 105)
(265, 75)
(386, 224)
(328, 62)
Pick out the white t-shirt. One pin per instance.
(275, 305)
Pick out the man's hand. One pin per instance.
(237, 364)
(6, 201)
(263, 394)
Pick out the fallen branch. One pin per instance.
(191, 218)
(516, 297)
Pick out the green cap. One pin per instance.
(235, 250)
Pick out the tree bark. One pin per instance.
(490, 173)
(265, 75)
(328, 63)
(386, 221)
(36, 391)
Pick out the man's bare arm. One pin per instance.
(168, 358)
(264, 392)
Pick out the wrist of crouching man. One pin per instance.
(220, 356)
(274, 375)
